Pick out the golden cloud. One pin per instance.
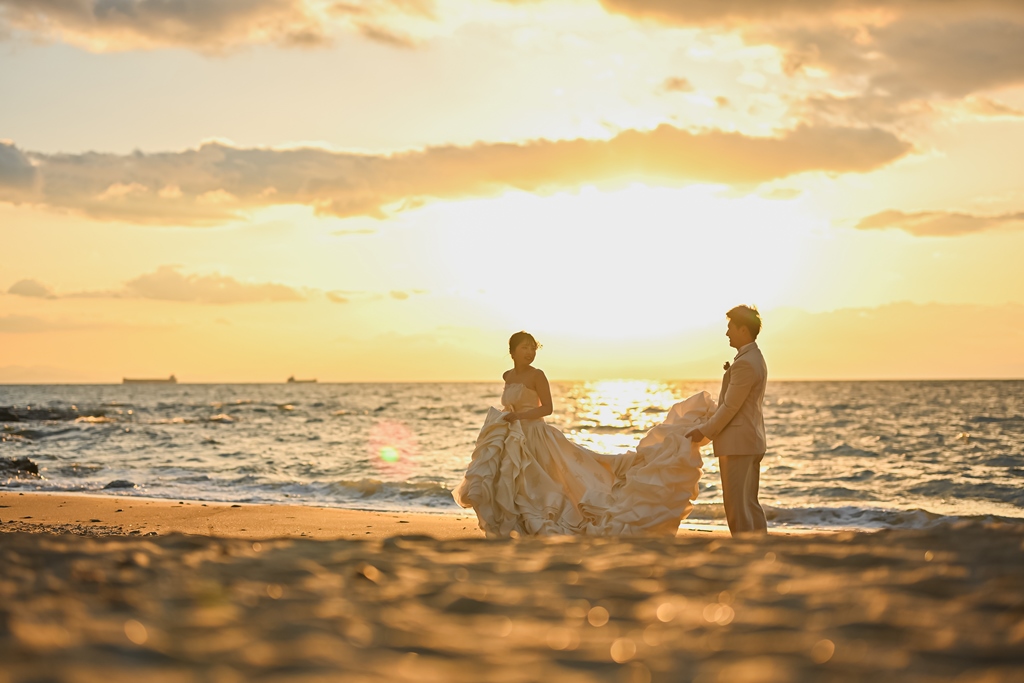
(31, 288)
(744, 12)
(676, 84)
(889, 57)
(940, 223)
(168, 283)
(29, 324)
(209, 26)
(216, 182)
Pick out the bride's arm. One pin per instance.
(543, 390)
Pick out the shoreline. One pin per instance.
(93, 514)
(77, 509)
(120, 515)
(83, 512)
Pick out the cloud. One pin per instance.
(16, 171)
(347, 297)
(912, 58)
(983, 106)
(26, 324)
(217, 182)
(782, 193)
(940, 223)
(676, 84)
(209, 26)
(878, 109)
(168, 283)
(745, 12)
(206, 25)
(354, 231)
(881, 54)
(31, 288)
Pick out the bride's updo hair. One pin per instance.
(518, 338)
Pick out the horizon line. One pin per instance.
(498, 381)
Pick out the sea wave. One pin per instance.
(406, 494)
(13, 413)
(897, 453)
(92, 419)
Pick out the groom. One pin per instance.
(737, 427)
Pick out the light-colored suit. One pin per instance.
(737, 432)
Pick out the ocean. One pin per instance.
(857, 455)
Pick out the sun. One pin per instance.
(639, 262)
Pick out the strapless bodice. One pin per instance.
(519, 397)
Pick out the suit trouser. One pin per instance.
(741, 476)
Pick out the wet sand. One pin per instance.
(944, 604)
(129, 515)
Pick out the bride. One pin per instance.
(527, 478)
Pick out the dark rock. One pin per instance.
(120, 484)
(17, 466)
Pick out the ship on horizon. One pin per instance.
(292, 380)
(157, 380)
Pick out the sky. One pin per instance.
(385, 190)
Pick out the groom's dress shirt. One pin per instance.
(737, 427)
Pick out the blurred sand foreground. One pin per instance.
(945, 604)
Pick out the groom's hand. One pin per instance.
(695, 435)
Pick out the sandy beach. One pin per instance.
(132, 516)
(127, 589)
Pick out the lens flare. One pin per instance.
(392, 446)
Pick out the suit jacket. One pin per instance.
(737, 427)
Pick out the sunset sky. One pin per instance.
(243, 190)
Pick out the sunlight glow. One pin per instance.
(674, 259)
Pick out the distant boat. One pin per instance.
(292, 380)
(170, 380)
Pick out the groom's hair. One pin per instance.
(748, 317)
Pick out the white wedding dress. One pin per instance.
(527, 477)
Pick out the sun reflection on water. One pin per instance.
(610, 416)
